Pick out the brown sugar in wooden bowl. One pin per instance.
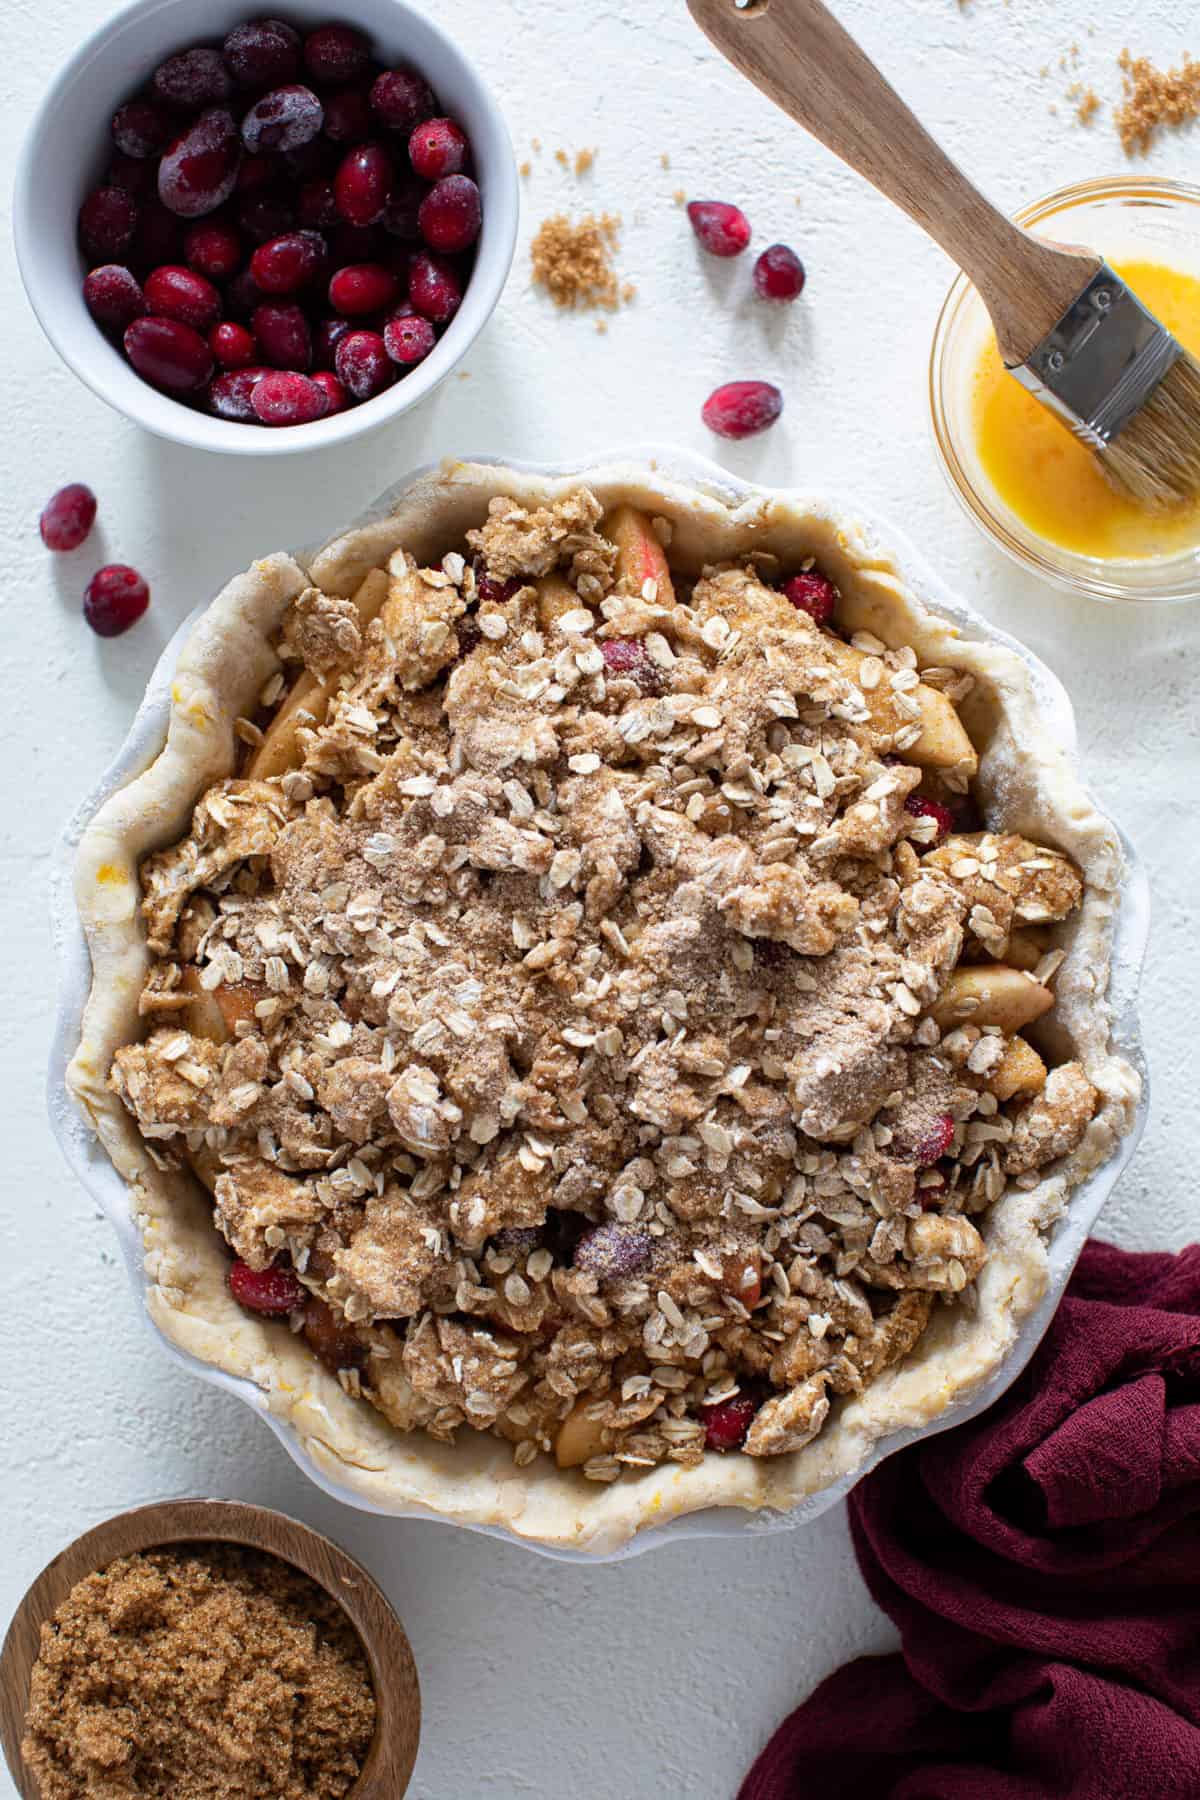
(389, 1763)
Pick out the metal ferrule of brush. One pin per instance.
(1102, 361)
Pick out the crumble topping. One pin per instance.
(582, 1011)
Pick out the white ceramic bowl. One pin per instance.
(91, 1164)
(64, 155)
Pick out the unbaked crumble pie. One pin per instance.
(595, 1005)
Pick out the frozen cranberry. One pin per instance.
(451, 214)
(233, 346)
(176, 293)
(629, 657)
(213, 250)
(282, 332)
(921, 807)
(230, 394)
(169, 355)
(778, 274)
(317, 207)
(330, 1337)
(336, 54)
(286, 264)
(434, 287)
(409, 340)
(348, 116)
(286, 398)
(257, 172)
(158, 238)
(67, 517)
(336, 398)
(306, 161)
(283, 119)
(113, 296)
(723, 230)
(263, 53)
(137, 177)
(401, 215)
(740, 409)
(401, 100)
(326, 338)
(242, 295)
(437, 148)
(930, 1143)
(107, 221)
(357, 243)
(363, 183)
(727, 1424)
(114, 599)
(141, 129)
(200, 169)
(813, 594)
(362, 288)
(273, 1292)
(610, 1251)
(192, 78)
(363, 365)
(265, 213)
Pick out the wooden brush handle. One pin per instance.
(801, 58)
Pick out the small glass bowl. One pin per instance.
(1125, 218)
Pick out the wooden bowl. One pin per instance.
(389, 1764)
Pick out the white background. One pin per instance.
(660, 1676)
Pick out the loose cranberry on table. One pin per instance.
(273, 1292)
(114, 599)
(169, 355)
(283, 397)
(813, 594)
(437, 148)
(232, 345)
(409, 340)
(722, 229)
(778, 274)
(177, 293)
(450, 214)
(741, 409)
(113, 296)
(67, 517)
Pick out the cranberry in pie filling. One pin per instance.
(568, 999)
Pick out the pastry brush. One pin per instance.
(1067, 326)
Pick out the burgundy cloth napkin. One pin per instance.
(1043, 1565)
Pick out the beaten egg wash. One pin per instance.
(1050, 479)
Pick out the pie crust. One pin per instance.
(1026, 782)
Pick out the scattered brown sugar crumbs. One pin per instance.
(526, 169)
(1088, 107)
(584, 160)
(1154, 98)
(203, 1672)
(573, 261)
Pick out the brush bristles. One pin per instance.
(1156, 457)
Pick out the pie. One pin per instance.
(599, 1000)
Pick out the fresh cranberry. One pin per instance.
(363, 183)
(140, 129)
(630, 658)
(200, 170)
(273, 1292)
(169, 355)
(610, 1251)
(138, 177)
(362, 288)
(192, 78)
(107, 221)
(921, 807)
(326, 338)
(931, 1143)
(434, 287)
(263, 53)
(282, 332)
(778, 274)
(242, 295)
(230, 394)
(158, 238)
(283, 119)
(363, 365)
(214, 251)
(348, 116)
(176, 293)
(330, 1338)
(723, 230)
(233, 346)
(67, 517)
(114, 599)
(285, 398)
(401, 215)
(740, 409)
(113, 296)
(266, 212)
(401, 100)
(336, 54)
(336, 398)
(285, 264)
(437, 148)
(317, 208)
(727, 1424)
(812, 594)
(409, 340)
(451, 214)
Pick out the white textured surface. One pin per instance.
(659, 1676)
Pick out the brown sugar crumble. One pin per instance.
(573, 261)
(200, 1672)
(1154, 98)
